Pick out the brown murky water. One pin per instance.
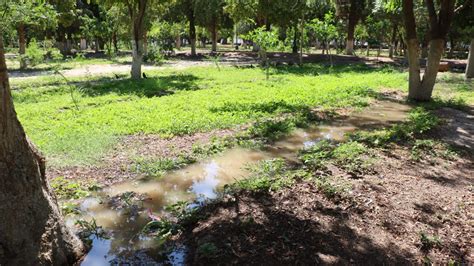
(198, 182)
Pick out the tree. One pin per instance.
(353, 11)
(32, 231)
(29, 13)
(421, 89)
(212, 13)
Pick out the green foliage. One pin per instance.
(158, 167)
(68, 189)
(34, 54)
(351, 156)
(176, 103)
(90, 228)
(68, 208)
(207, 251)
(183, 212)
(162, 229)
(270, 129)
(154, 56)
(429, 241)
(424, 148)
(268, 175)
(419, 121)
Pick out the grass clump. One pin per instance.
(429, 241)
(419, 121)
(267, 175)
(352, 156)
(423, 148)
(158, 167)
(69, 189)
(207, 251)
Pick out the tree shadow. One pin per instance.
(149, 87)
(258, 229)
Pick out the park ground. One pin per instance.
(392, 194)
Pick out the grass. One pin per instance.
(181, 102)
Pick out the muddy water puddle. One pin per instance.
(124, 209)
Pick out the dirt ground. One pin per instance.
(407, 212)
(115, 167)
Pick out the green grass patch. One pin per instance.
(419, 121)
(180, 102)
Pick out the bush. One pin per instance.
(154, 56)
(34, 54)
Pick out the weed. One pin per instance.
(419, 121)
(429, 147)
(428, 242)
(158, 167)
(68, 189)
(216, 145)
(68, 208)
(183, 211)
(90, 228)
(162, 229)
(353, 157)
(207, 250)
(270, 129)
(267, 175)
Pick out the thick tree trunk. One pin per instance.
(436, 49)
(351, 24)
(137, 59)
(414, 81)
(470, 61)
(32, 231)
(22, 45)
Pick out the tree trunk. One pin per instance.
(32, 231)
(214, 35)
(192, 35)
(302, 39)
(470, 61)
(22, 45)
(145, 43)
(137, 59)
(436, 49)
(178, 42)
(368, 49)
(115, 42)
(393, 41)
(414, 80)
(96, 46)
(353, 18)
(451, 49)
(137, 17)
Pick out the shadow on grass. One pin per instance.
(150, 87)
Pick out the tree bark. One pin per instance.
(214, 35)
(192, 33)
(32, 231)
(137, 16)
(421, 90)
(353, 18)
(22, 45)
(470, 61)
(393, 41)
(178, 42)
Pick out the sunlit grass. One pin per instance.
(179, 102)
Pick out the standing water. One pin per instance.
(198, 182)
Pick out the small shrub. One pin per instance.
(429, 147)
(34, 54)
(317, 155)
(267, 175)
(428, 242)
(351, 156)
(154, 56)
(207, 251)
(270, 129)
